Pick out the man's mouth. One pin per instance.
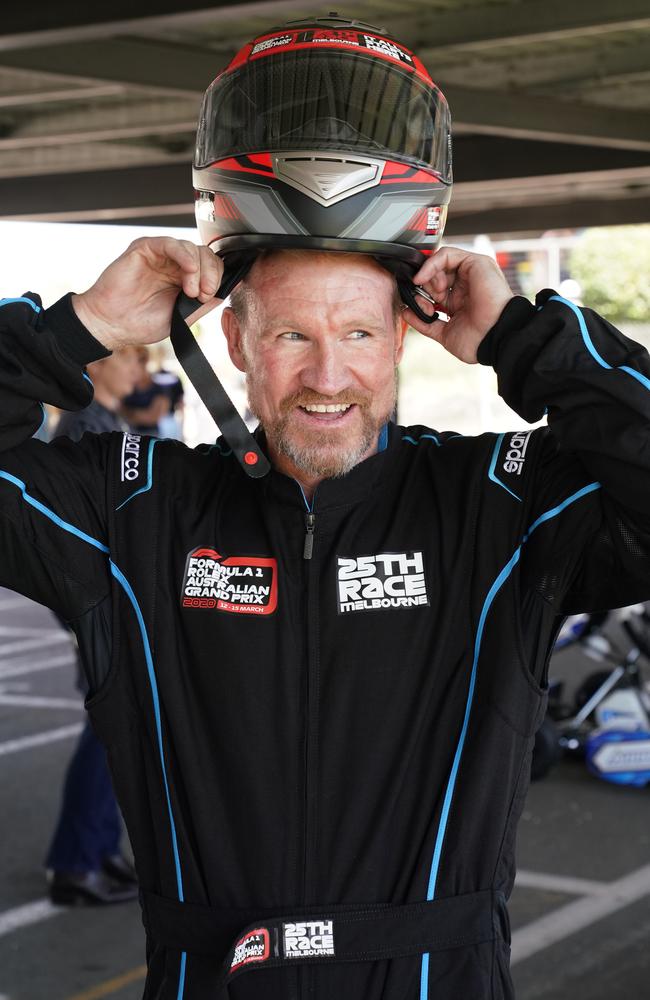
(326, 412)
(326, 407)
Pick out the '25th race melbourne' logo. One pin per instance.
(385, 580)
(245, 585)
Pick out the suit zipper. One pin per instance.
(305, 979)
(311, 698)
(310, 524)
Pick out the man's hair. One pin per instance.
(241, 296)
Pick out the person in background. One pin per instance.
(171, 424)
(149, 403)
(84, 857)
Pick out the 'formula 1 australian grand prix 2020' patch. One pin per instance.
(244, 585)
(253, 947)
(385, 580)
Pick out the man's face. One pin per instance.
(319, 346)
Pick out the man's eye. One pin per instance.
(292, 335)
(358, 334)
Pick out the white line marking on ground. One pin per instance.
(561, 883)
(20, 668)
(40, 739)
(34, 701)
(23, 644)
(567, 920)
(29, 913)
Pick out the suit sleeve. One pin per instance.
(587, 542)
(53, 526)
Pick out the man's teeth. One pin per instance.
(328, 408)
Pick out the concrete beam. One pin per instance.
(35, 99)
(606, 185)
(534, 219)
(485, 26)
(480, 26)
(145, 188)
(536, 117)
(176, 69)
(69, 20)
(168, 68)
(491, 157)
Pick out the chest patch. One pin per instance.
(386, 580)
(254, 947)
(309, 939)
(243, 585)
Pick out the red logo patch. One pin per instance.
(253, 947)
(244, 585)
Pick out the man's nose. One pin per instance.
(327, 371)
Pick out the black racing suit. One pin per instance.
(322, 761)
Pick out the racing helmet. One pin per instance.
(325, 134)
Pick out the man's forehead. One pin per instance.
(326, 267)
(340, 310)
(345, 286)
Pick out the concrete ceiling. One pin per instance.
(550, 101)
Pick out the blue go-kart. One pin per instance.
(607, 721)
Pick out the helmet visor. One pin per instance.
(325, 99)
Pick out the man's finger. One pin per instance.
(444, 260)
(211, 268)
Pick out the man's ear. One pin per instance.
(233, 334)
(400, 333)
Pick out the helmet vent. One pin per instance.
(327, 178)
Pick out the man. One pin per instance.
(148, 403)
(319, 689)
(84, 856)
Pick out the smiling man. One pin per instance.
(320, 687)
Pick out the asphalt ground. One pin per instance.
(580, 910)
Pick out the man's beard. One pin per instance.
(327, 455)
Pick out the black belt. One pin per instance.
(245, 940)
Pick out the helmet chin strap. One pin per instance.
(200, 373)
(402, 272)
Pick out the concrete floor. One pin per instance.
(580, 911)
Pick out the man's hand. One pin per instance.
(132, 301)
(471, 289)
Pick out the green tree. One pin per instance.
(612, 265)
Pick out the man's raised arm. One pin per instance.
(593, 467)
(53, 524)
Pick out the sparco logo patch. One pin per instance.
(244, 585)
(388, 580)
(253, 947)
(516, 454)
(131, 457)
(309, 939)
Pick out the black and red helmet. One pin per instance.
(324, 134)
